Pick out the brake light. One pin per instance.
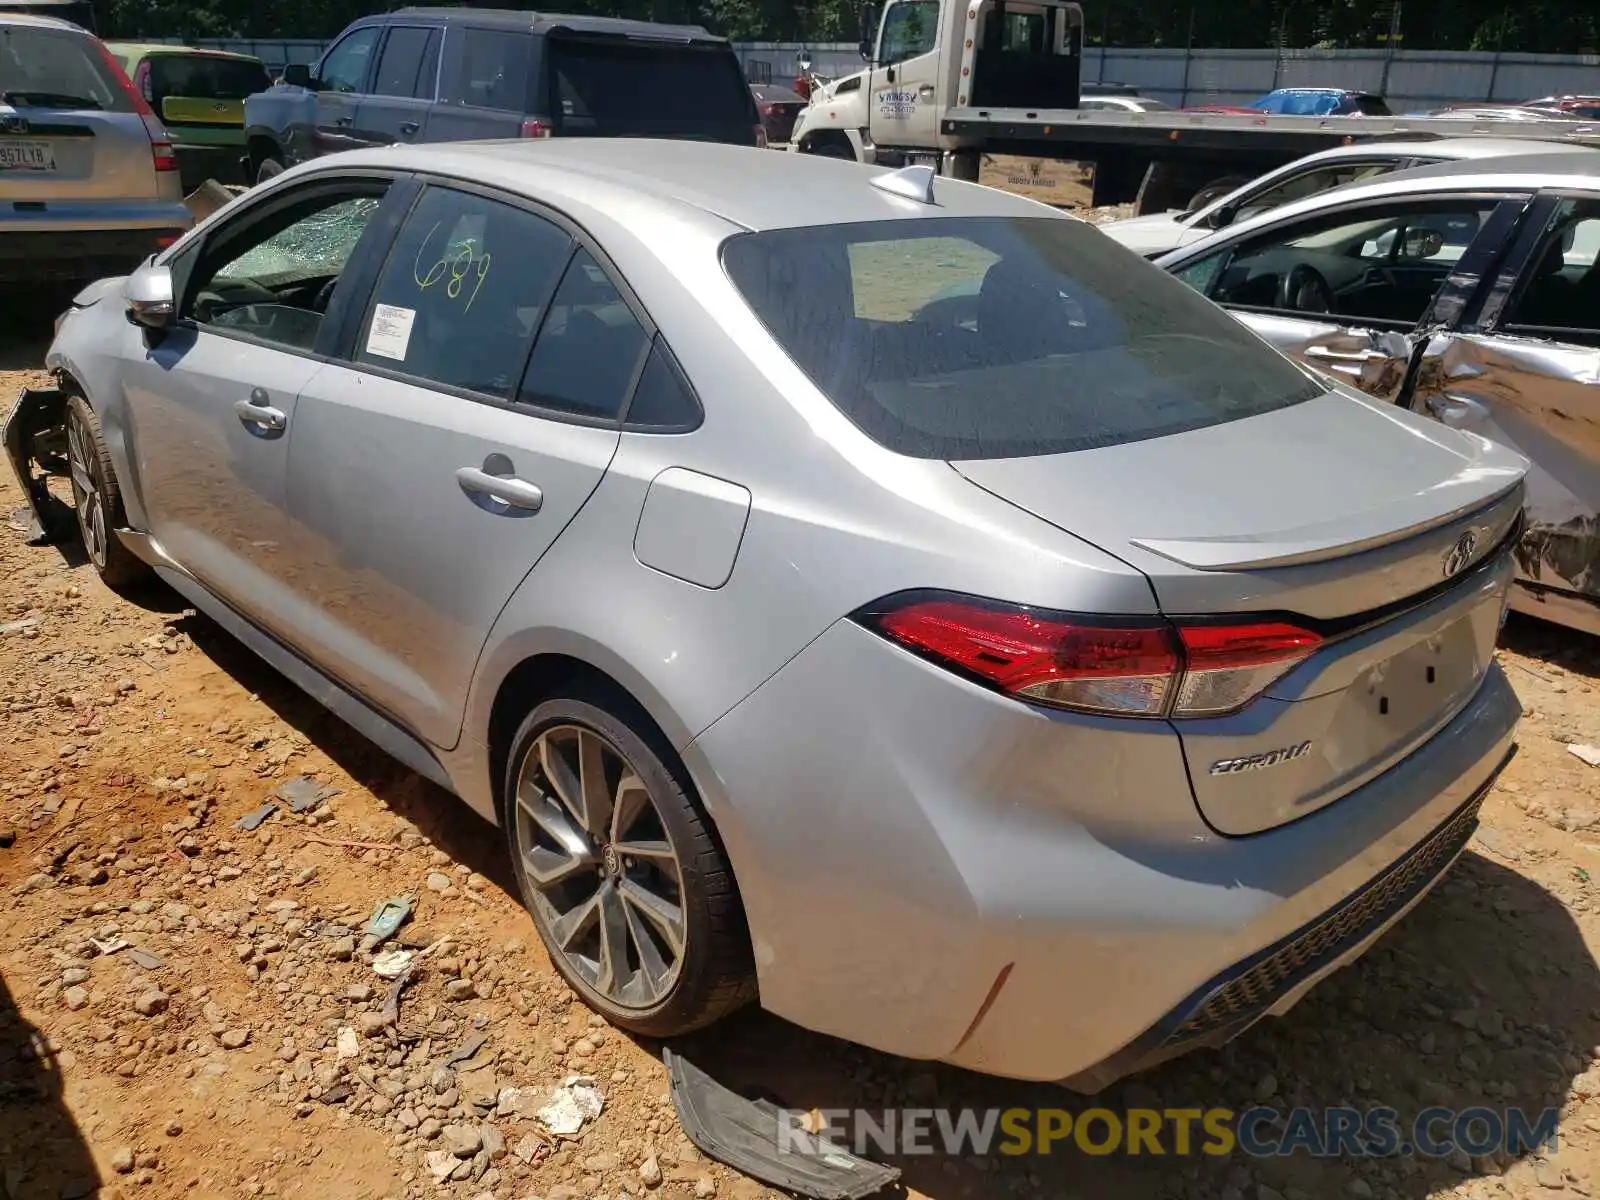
(161, 152)
(769, 110)
(535, 128)
(1144, 667)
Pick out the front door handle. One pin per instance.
(258, 410)
(508, 489)
(341, 122)
(410, 127)
(926, 91)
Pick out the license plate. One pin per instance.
(27, 156)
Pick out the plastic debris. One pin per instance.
(386, 919)
(577, 1100)
(302, 794)
(110, 947)
(392, 964)
(348, 1042)
(1589, 754)
(253, 820)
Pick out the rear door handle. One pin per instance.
(410, 127)
(258, 410)
(518, 493)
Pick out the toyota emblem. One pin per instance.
(1460, 556)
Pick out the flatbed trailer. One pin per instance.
(1160, 160)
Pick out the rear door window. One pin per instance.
(616, 87)
(998, 337)
(464, 292)
(589, 348)
(409, 63)
(491, 70)
(49, 68)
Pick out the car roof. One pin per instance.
(149, 49)
(542, 22)
(740, 185)
(38, 22)
(1526, 172)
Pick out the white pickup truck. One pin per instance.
(949, 81)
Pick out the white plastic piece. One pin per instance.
(914, 183)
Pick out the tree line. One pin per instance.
(1535, 26)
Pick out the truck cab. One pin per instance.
(926, 56)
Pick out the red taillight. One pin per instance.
(161, 152)
(1142, 667)
(535, 128)
(769, 110)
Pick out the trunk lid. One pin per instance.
(1384, 533)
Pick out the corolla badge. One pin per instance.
(1459, 556)
(1255, 762)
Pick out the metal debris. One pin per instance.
(253, 820)
(302, 794)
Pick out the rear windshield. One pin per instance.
(1002, 337)
(48, 68)
(201, 77)
(617, 87)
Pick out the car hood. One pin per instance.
(1327, 479)
(1154, 234)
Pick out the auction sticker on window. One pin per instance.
(390, 335)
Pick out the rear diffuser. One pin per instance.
(755, 1137)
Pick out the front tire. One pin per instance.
(96, 499)
(621, 870)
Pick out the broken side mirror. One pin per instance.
(150, 299)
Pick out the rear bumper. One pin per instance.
(942, 873)
(47, 254)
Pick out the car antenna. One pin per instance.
(914, 183)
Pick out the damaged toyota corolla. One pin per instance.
(1047, 684)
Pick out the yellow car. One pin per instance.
(199, 96)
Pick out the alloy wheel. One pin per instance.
(84, 466)
(606, 880)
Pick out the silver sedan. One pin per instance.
(874, 594)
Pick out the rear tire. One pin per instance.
(270, 168)
(97, 501)
(621, 869)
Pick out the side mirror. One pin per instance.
(1223, 217)
(297, 75)
(867, 19)
(149, 296)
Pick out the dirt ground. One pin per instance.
(249, 1056)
